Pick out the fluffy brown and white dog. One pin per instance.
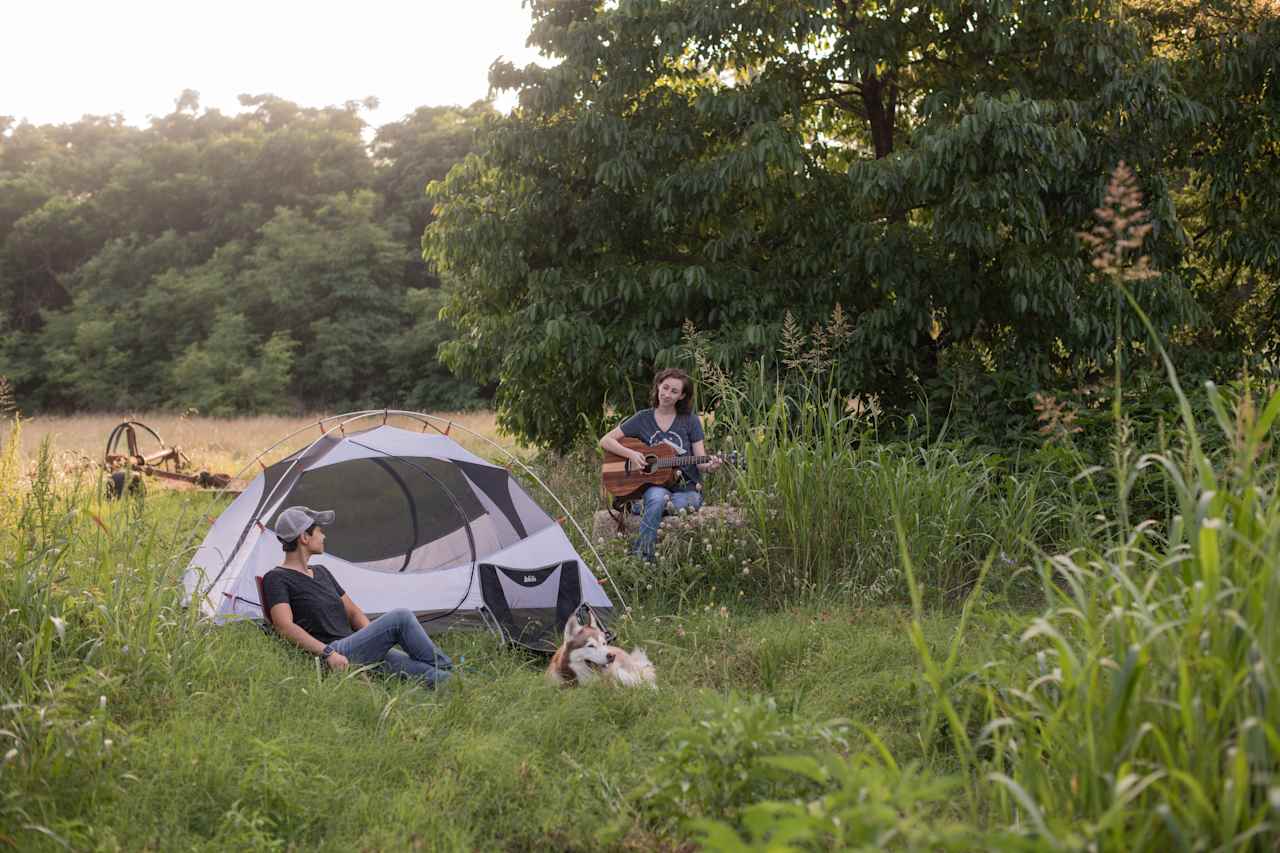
(586, 655)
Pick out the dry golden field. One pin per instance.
(226, 445)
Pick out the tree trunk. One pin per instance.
(880, 97)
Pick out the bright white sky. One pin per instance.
(61, 59)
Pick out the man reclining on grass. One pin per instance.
(310, 609)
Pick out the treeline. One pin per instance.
(902, 184)
(925, 166)
(266, 260)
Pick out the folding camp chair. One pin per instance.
(262, 601)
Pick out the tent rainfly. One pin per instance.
(421, 523)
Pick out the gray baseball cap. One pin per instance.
(294, 521)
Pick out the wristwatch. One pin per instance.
(326, 651)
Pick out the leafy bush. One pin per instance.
(698, 563)
(717, 766)
(866, 805)
(747, 777)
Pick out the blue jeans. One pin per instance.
(421, 658)
(655, 503)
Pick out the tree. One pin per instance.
(417, 378)
(924, 165)
(333, 281)
(232, 373)
(122, 251)
(1229, 180)
(421, 148)
(409, 155)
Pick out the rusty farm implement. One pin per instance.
(125, 462)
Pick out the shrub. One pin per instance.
(865, 805)
(717, 766)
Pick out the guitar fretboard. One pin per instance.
(674, 461)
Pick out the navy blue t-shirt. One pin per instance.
(684, 431)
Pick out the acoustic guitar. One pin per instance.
(624, 480)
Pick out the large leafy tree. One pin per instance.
(925, 165)
(173, 265)
(1228, 186)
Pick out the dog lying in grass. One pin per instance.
(586, 655)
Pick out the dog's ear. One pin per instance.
(571, 627)
(592, 621)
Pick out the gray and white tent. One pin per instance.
(421, 523)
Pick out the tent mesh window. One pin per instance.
(432, 497)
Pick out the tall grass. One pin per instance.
(214, 444)
(822, 492)
(93, 634)
(1139, 710)
(1136, 709)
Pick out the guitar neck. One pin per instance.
(680, 461)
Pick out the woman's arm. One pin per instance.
(609, 441)
(700, 449)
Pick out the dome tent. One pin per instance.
(421, 523)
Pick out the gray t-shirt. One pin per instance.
(684, 431)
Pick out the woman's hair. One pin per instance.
(292, 544)
(685, 404)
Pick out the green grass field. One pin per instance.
(148, 728)
(937, 649)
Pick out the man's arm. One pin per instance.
(355, 615)
(282, 619)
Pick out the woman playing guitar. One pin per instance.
(670, 420)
